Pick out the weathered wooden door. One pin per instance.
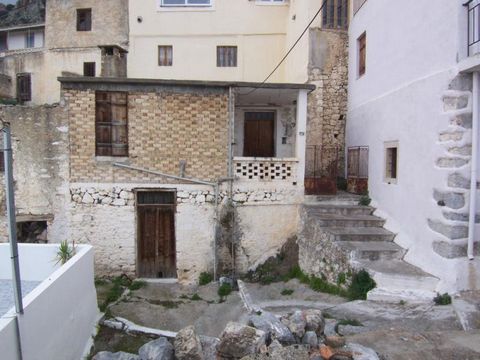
(259, 134)
(156, 234)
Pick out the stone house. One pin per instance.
(413, 111)
(155, 185)
(42, 39)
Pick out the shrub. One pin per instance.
(444, 299)
(224, 290)
(341, 278)
(286, 292)
(196, 297)
(65, 252)
(365, 200)
(205, 278)
(341, 183)
(137, 284)
(361, 284)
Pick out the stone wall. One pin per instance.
(109, 23)
(40, 166)
(453, 198)
(164, 128)
(327, 105)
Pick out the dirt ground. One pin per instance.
(400, 331)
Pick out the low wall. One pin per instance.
(60, 314)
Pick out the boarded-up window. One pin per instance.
(165, 55)
(227, 56)
(362, 54)
(84, 19)
(391, 161)
(88, 69)
(24, 88)
(335, 14)
(111, 130)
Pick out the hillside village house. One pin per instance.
(419, 126)
(111, 154)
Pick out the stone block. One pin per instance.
(462, 82)
(452, 232)
(461, 150)
(451, 136)
(452, 103)
(456, 180)
(452, 200)
(463, 120)
(451, 162)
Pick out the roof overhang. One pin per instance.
(23, 27)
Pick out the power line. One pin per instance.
(288, 52)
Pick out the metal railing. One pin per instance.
(473, 7)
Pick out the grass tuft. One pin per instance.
(205, 278)
(444, 299)
(286, 292)
(224, 290)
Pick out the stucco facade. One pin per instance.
(413, 95)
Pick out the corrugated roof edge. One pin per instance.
(163, 82)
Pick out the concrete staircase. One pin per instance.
(369, 246)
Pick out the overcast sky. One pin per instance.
(6, 2)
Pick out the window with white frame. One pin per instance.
(391, 162)
(271, 1)
(186, 2)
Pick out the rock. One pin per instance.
(87, 198)
(240, 197)
(119, 202)
(274, 345)
(296, 323)
(106, 355)
(159, 349)
(351, 330)
(360, 352)
(326, 352)
(310, 338)
(238, 340)
(272, 326)
(188, 345)
(329, 329)
(209, 347)
(315, 321)
(335, 341)
(293, 352)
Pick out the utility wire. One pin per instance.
(288, 52)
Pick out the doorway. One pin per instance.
(156, 234)
(259, 135)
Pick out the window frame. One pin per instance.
(29, 39)
(390, 175)
(335, 15)
(271, 2)
(86, 65)
(168, 55)
(89, 24)
(235, 62)
(111, 123)
(186, 5)
(362, 55)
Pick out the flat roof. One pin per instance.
(192, 83)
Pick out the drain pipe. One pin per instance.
(12, 230)
(231, 141)
(473, 166)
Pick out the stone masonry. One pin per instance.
(164, 129)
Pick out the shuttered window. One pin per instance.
(165, 55)
(24, 88)
(226, 56)
(335, 14)
(84, 19)
(111, 125)
(362, 54)
(89, 69)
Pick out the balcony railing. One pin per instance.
(473, 7)
(266, 169)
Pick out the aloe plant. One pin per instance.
(65, 252)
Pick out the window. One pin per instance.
(186, 2)
(29, 40)
(2, 161)
(3, 41)
(84, 19)
(226, 56)
(335, 14)
(24, 88)
(89, 69)
(111, 125)
(391, 162)
(271, 1)
(362, 54)
(165, 55)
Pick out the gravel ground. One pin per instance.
(6, 293)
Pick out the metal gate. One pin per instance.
(321, 170)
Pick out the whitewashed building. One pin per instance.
(413, 103)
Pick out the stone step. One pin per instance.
(339, 220)
(338, 209)
(395, 296)
(398, 276)
(362, 234)
(341, 198)
(373, 250)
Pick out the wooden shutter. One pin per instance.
(227, 56)
(259, 134)
(165, 55)
(362, 54)
(24, 88)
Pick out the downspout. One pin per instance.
(231, 141)
(12, 231)
(473, 166)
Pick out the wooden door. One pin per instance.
(259, 137)
(156, 237)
